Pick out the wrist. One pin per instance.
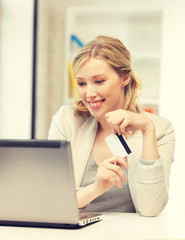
(149, 127)
(96, 190)
(150, 148)
(93, 191)
(85, 195)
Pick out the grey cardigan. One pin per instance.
(148, 181)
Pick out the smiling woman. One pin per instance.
(112, 52)
(100, 87)
(108, 89)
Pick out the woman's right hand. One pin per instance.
(110, 174)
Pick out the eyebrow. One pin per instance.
(79, 78)
(99, 75)
(95, 76)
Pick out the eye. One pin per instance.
(81, 84)
(99, 81)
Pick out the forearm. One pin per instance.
(150, 149)
(86, 195)
(151, 187)
(153, 176)
(151, 198)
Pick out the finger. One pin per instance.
(116, 129)
(116, 119)
(108, 175)
(116, 175)
(116, 171)
(125, 163)
(123, 126)
(109, 114)
(116, 113)
(117, 179)
(119, 161)
(115, 126)
(114, 122)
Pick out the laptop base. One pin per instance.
(40, 225)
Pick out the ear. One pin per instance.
(125, 80)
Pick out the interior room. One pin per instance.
(39, 38)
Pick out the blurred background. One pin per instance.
(38, 39)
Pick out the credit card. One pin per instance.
(118, 145)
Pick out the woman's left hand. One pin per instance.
(123, 121)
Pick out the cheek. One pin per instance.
(80, 92)
(115, 90)
(116, 96)
(107, 90)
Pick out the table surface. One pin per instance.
(114, 226)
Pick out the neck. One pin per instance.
(103, 126)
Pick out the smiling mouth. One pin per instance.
(97, 104)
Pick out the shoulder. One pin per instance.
(163, 126)
(66, 125)
(66, 115)
(67, 109)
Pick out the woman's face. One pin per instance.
(100, 88)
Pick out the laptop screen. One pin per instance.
(37, 182)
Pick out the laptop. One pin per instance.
(37, 186)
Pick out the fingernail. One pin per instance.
(124, 180)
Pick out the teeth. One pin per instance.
(95, 104)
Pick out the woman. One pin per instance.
(108, 90)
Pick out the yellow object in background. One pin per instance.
(73, 86)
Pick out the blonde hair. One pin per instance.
(118, 57)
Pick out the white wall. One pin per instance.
(16, 27)
(173, 94)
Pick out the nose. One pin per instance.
(90, 91)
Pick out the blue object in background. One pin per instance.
(77, 40)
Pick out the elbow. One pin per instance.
(151, 203)
(152, 210)
(149, 212)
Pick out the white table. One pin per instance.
(115, 226)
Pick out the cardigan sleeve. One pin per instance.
(153, 176)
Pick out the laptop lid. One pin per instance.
(37, 183)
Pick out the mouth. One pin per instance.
(96, 104)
